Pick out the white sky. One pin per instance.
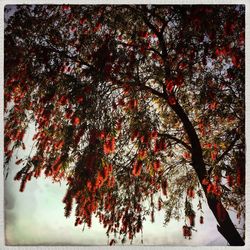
(36, 216)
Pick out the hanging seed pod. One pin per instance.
(77, 221)
(189, 233)
(112, 242)
(18, 161)
(156, 147)
(191, 218)
(201, 219)
(164, 186)
(18, 176)
(23, 184)
(137, 168)
(159, 204)
(151, 200)
(154, 134)
(230, 180)
(191, 192)
(152, 216)
(186, 231)
(239, 176)
(142, 154)
(157, 165)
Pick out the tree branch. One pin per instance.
(151, 90)
(138, 46)
(65, 54)
(177, 140)
(228, 149)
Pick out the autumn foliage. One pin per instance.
(130, 104)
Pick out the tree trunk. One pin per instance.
(226, 226)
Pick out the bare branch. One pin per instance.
(176, 139)
(230, 147)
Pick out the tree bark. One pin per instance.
(225, 225)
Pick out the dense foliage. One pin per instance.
(130, 104)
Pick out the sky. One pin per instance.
(36, 217)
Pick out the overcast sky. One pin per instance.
(36, 217)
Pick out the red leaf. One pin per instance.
(76, 120)
(170, 85)
(137, 168)
(82, 21)
(66, 7)
(171, 100)
(214, 155)
(157, 165)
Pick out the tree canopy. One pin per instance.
(131, 103)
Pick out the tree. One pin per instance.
(131, 103)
